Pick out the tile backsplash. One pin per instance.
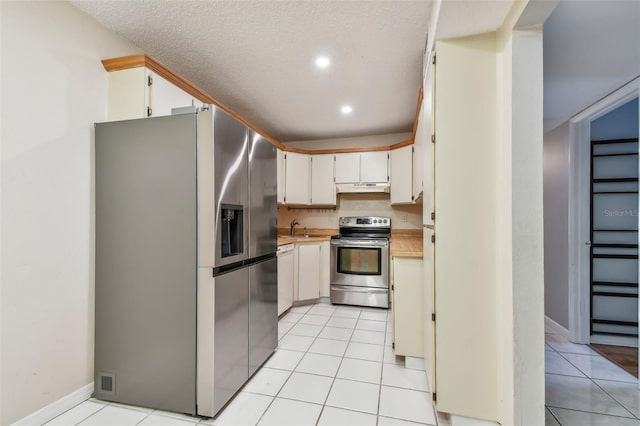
(402, 217)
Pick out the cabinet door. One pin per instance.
(374, 166)
(285, 281)
(325, 268)
(323, 187)
(408, 307)
(297, 178)
(348, 168)
(127, 94)
(419, 145)
(401, 177)
(163, 96)
(308, 271)
(281, 177)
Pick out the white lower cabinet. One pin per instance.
(308, 271)
(311, 270)
(285, 277)
(408, 306)
(325, 268)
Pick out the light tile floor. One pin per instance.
(334, 367)
(584, 388)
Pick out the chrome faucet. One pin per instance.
(294, 222)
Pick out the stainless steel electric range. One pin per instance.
(360, 262)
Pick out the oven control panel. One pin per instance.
(369, 221)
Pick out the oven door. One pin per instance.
(360, 262)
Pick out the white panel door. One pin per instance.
(285, 281)
(401, 165)
(281, 176)
(297, 182)
(428, 152)
(408, 306)
(165, 95)
(374, 166)
(419, 146)
(308, 271)
(325, 268)
(466, 301)
(323, 187)
(348, 168)
(127, 94)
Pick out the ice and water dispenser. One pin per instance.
(232, 230)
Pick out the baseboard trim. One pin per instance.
(556, 327)
(56, 408)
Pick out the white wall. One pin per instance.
(355, 142)
(590, 50)
(402, 217)
(53, 89)
(621, 123)
(556, 227)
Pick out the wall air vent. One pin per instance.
(107, 383)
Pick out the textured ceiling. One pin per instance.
(257, 57)
(461, 18)
(591, 48)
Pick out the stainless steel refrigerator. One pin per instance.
(186, 272)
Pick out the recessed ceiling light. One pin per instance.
(346, 109)
(322, 62)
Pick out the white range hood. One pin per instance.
(361, 187)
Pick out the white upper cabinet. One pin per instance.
(281, 176)
(348, 168)
(374, 166)
(420, 144)
(138, 92)
(323, 188)
(365, 167)
(401, 175)
(165, 95)
(297, 182)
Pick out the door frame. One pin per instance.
(579, 206)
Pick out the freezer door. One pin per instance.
(145, 262)
(231, 334)
(263, 187)
(230, 146)
(263, 312)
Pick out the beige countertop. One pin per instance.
(316, 235)
(406, 243)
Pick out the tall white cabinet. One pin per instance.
(281, 176)
(401, 169)
(298, 175)
(323, 187)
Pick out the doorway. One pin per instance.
(614, 227)
(603, 220)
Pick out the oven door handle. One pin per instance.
(359, 243)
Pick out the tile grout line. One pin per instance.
(552, 414)
(585, 374)
(290, 373)
(614, 398)
(338, 370)
(105, 406)
(591, 412)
